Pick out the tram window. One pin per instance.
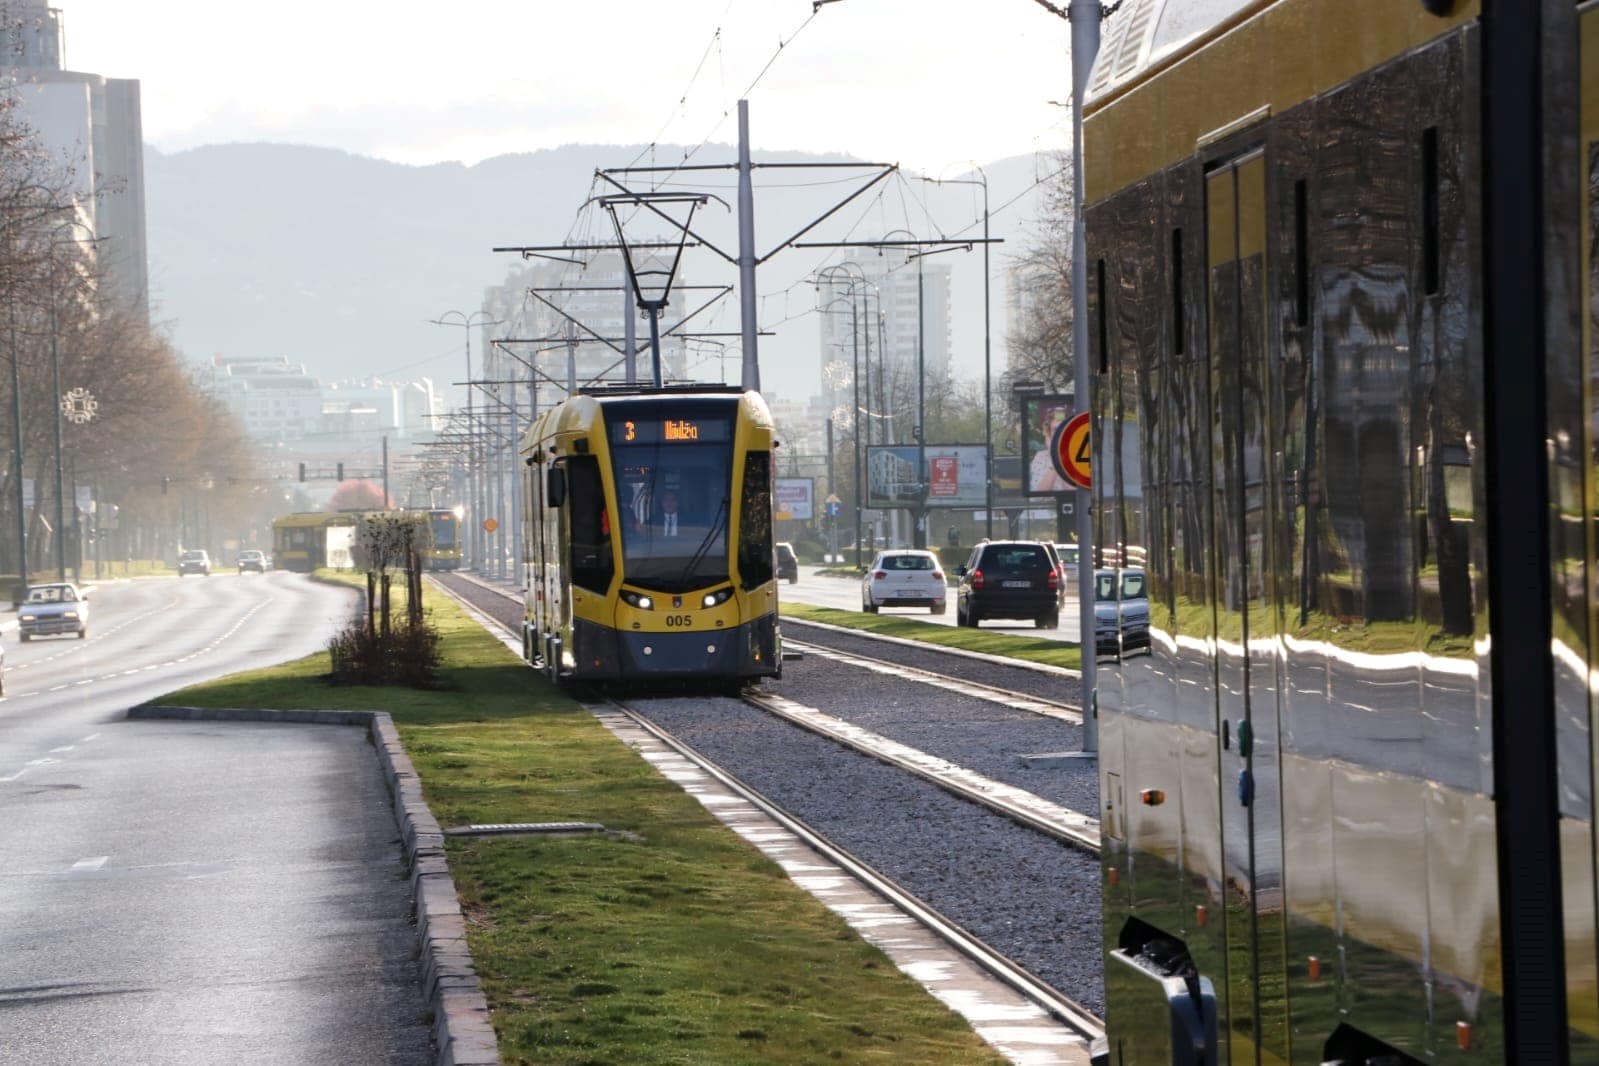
(1104, 331)
(1429, 211)
(1179, 332)
(1301, 254)
(592, 560)
(755, 521)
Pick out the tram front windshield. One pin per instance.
(443, 524)
(673, 465)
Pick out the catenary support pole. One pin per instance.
(919, 538)
(629, 333)
(988, 382)
(1084, 16)
(747, 298)
(860, 486)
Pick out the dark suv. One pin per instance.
(1009, 579)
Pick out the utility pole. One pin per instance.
(386, 504)
(751, 377)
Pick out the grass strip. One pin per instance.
(988, 642)
(677, 943)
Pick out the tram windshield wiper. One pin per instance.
(718, 524)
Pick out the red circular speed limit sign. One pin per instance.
(1071, 450)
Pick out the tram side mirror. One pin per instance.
(555, 486)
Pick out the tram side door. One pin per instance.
(1246, 620)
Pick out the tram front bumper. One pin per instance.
(749, 650)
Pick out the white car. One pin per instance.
(904, 578)
(59, 607)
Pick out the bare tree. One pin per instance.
(1041, 343)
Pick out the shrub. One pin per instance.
(408, 654)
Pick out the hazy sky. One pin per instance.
(924, 83)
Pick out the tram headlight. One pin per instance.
(635, 599)
(717, 598)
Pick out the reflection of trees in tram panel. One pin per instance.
(1289, 331)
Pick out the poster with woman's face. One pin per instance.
(1041, 416)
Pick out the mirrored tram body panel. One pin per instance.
(1285, 256)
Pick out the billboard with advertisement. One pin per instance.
(954, 475)
(795, 499)
(1041, 416)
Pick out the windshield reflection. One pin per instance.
(674, 498)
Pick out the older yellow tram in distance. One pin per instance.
(649, 536)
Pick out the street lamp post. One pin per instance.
(55, 384)
(474, 479)
(16, 443)
(855, 381)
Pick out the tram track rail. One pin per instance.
(1059, 823)
(1047, 997)
(1021, 701)
(1070, 827)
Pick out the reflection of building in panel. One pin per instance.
(92, 125)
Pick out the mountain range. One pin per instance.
(339, 261)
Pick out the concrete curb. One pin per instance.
(462, 1034)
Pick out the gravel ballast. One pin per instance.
(1032, 898)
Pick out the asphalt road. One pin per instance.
(195, 892)
(844, 593)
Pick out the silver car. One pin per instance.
(59, 607)
(1121, 611)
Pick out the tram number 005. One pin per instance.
(679, 621)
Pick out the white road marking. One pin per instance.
(64, 747)
(90, 864)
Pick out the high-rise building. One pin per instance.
(92, 125)
(879, 295)
(1033, 289)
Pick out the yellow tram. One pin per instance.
(1347, 796)
(649, 536)
(307, 540)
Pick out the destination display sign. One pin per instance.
(672, 431)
